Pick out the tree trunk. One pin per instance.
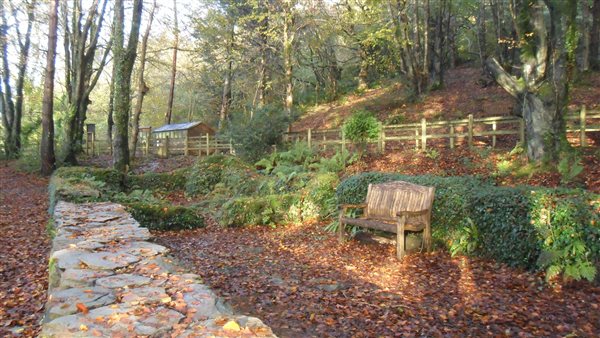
(363, 73)
(288, 41)
(481, 32)
(142, 89)
(228, 77)
(13, 106)
(124, 57)
(542, 91)
(47, 145)
(594, 57)
(173, 67)
(81, 36)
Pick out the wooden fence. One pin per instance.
(165, 147)
(485, 130)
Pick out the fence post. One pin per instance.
(309, 137)
(582, 117)
(187, 144)
(381, 135)
(93, 144)
(494, 126)
(522, 132)
(451, 136)
(416, 138)
(343, 141)
(423, 134)
(470, 131)
(167, 146)
(230, 147)
(207, 144)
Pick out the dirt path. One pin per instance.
(302, 283)
(24, 248)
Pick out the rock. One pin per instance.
(64, 302)
(68, 258)
(145, 249)
(123, 280)
(108, 260)
(200, 301)
(72, 278)
(228, 326)
(145, 295)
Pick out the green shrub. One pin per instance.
(253, 138)
(536, 228)
(206, 173)
(82, 184)
(263, 210)
(320, 192)
(165, 217)
(362, 127)
(175, 180)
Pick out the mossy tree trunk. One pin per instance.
(547, 58)
(124, 57)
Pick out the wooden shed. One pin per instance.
(182, 130)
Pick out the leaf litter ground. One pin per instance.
(24, 248)
(301, 282)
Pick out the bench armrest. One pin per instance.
(412, 213)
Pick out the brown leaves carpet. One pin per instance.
(302, 283)
(24, 248)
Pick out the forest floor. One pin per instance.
(24, 249)
(302, 283)
(462, 95)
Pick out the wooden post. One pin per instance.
(324, 143)
(423, 134)
(343, 141)
(582, 139)
(451, 136)
(383, 138)
(522, 132)
(381, 145)
(416, 138)
(187, 144)
(93, 144)
(309, 137)
(470, 131)
(166, 152)
(400, 236)
(207, 144)
(147, 145)
(230, 147)
(494, 126)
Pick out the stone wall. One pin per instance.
(108, 280)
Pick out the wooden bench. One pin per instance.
(393, 207)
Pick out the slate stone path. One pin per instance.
(107, 280)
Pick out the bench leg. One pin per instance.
(400, 237)
(427, 237)
(341, 228)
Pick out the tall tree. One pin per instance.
(47, 146)
(547, 57)
(173, 66)
(124, 58)
(594, 58)
(142, 88)
(12, 111)
(81, 41)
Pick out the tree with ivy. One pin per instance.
(547, 36)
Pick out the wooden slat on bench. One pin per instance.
(380, 224)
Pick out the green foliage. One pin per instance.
(256, 210)
(165, 217)
(175, 180)
(320, 193)
(208, 172)
(552, 229)
(253, 138)
(569, 166)
(361, 127)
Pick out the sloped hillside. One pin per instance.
(462, 95)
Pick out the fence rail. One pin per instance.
(165, 147)
(466, 130)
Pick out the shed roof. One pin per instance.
(176, 126)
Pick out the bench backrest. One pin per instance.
(384, 200)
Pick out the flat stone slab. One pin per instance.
(106, 280)
(123, 280)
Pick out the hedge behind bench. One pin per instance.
(537, 228)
